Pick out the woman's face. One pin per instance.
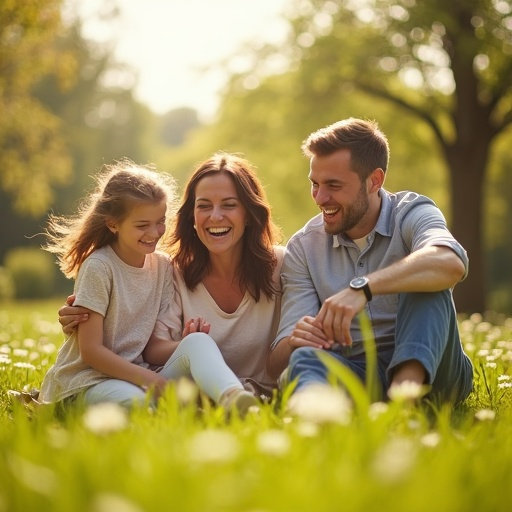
(219, 215)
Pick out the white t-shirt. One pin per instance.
(243, 337)
(130, 300)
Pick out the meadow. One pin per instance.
(327, 453)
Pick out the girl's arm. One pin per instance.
(99, 357)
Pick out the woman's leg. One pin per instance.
(199, 356)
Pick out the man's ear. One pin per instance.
(376, 180)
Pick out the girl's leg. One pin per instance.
(118, 391)
(199, 356)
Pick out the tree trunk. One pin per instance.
(468, 166)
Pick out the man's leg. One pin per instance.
(307, 368)
(427, 333)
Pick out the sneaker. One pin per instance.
(238, 400)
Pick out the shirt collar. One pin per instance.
(383, 226)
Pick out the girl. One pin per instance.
(109, 247)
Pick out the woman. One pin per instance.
(227, 269)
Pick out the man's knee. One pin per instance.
(303, 353)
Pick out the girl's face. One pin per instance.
(219, 215)
(139, 233)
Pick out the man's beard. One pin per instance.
(351, 215)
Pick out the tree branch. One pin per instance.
(381, 93)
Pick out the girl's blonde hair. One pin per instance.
(119, 187)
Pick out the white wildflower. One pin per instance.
(476, 318)
(431, 440)
(483, 327)
(105, 418)
(20, 352)
(107, 502)
(485, 415)
(377, 409)
(307, 429)
(58, 437)
(319, 403)
(491, 365)
(273, 442)
(26, 366)
(213, 446)
(394, 460)
(505, 385)
(504, 377)
(186, 391)
(469, 347)
(48, 348)
(407, 391)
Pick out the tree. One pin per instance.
(454, 59)
(33, 154)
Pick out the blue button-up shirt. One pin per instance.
(318, 265)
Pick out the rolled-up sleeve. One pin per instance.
(300, 297)
(425, 226)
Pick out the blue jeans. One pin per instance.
(426, 330)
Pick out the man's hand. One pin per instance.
(336, 315)
(308, 333)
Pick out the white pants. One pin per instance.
(197, 356)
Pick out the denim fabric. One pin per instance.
(426, 331)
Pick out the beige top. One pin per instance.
(243, 337)
(130, 300)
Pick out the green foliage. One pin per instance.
(382, 456)
(6, 285)
(33, 154)
(33, 272)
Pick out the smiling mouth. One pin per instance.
(329, 212)
(218, 231)
(148, 242)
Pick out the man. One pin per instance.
(389, 255)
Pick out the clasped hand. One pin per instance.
(332, 323)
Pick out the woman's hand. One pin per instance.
(70, 316)
(196, 325)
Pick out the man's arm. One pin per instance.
(430, 269)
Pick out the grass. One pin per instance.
(379, 457)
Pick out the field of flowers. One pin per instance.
(326, 453)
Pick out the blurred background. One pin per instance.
(168, 82)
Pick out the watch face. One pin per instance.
(359, 281)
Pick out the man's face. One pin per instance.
(339, 193)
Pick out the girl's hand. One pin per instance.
(196, 325)
(154, 383)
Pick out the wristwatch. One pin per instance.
(362, 283)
